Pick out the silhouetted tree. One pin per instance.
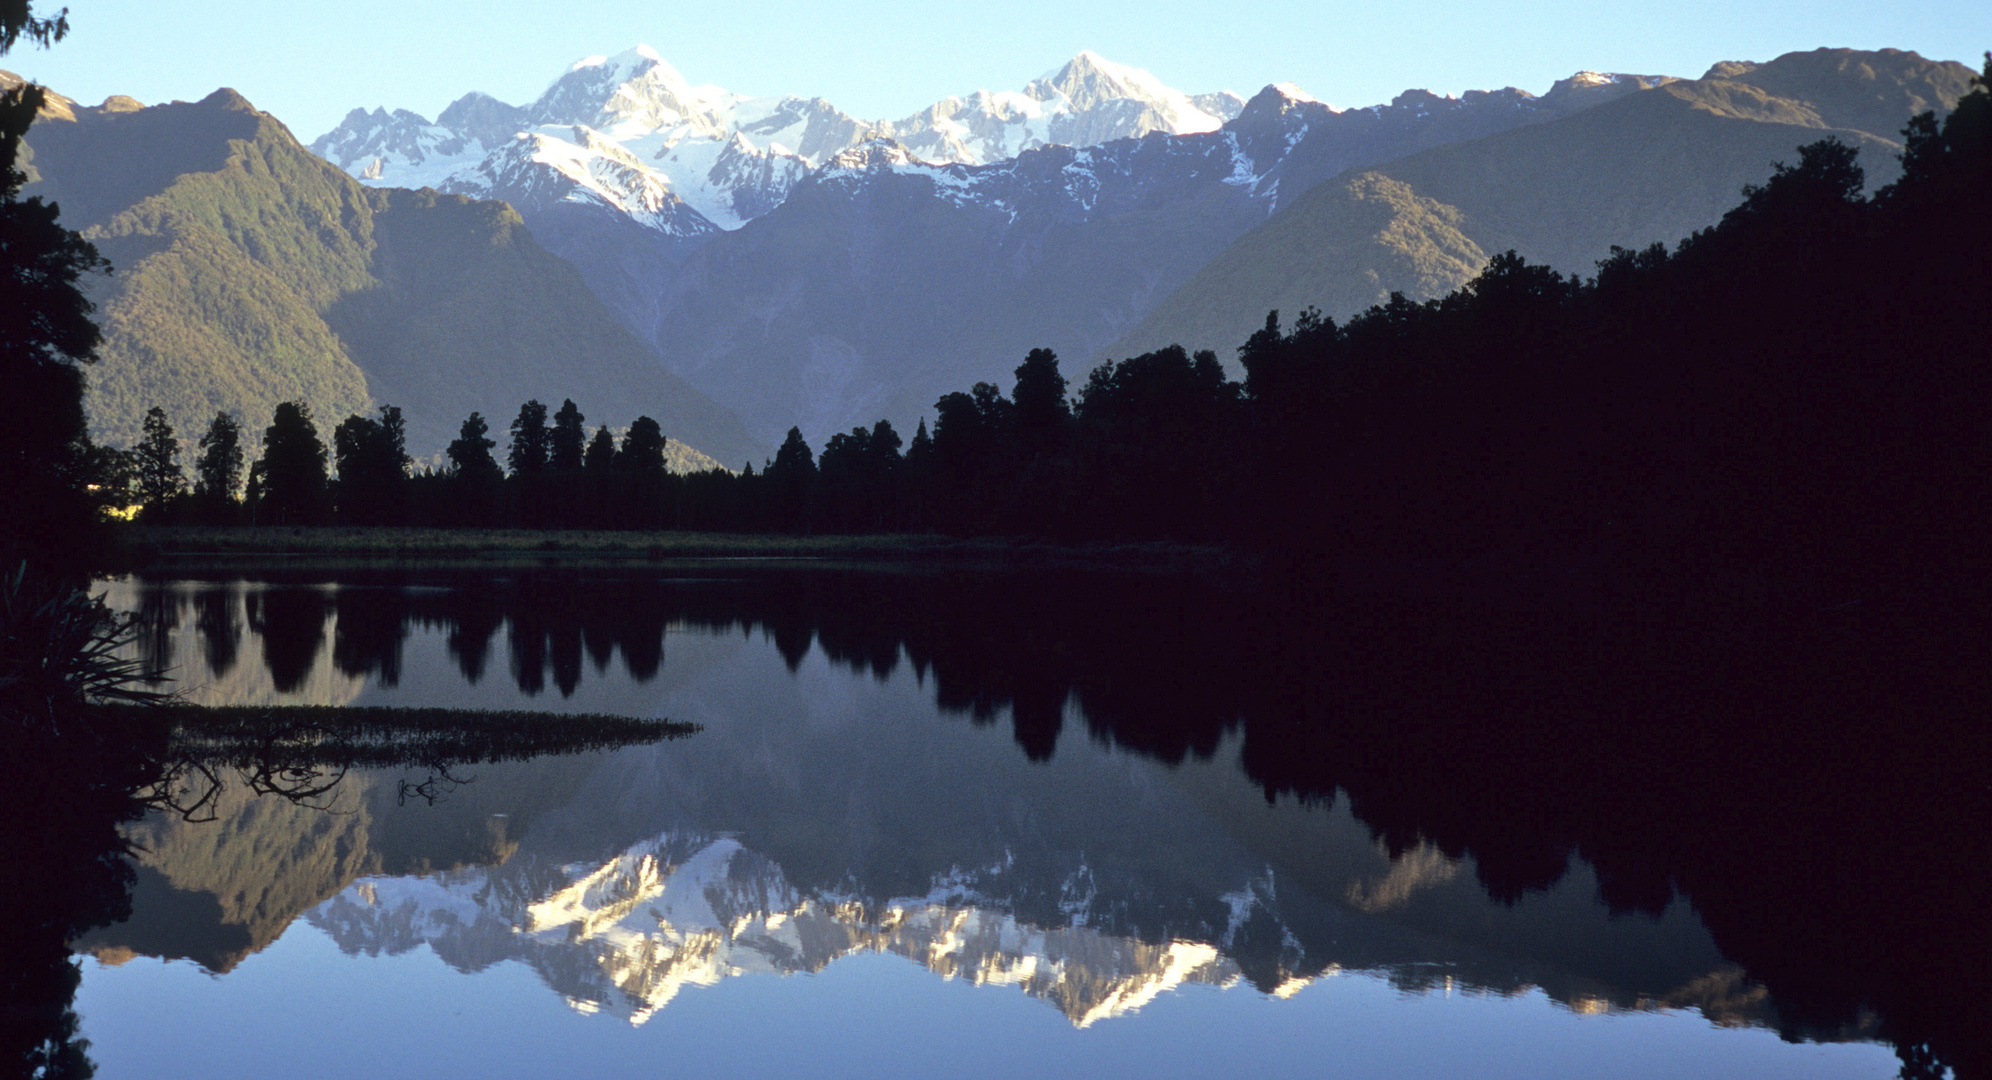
(156, 462)
(601, 454)
(643, 448)
(1162, 444)
(45, 332)
(857, 473)
(569, 439)
(917, 479)
(470, 453)
(475, 476)
(791, 478)
(883, 465)
(530, 439)
(293, 467)
(1039, 398)
(219, 470)
(373, 467)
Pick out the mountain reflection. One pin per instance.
(626, 937)
(1762, 822)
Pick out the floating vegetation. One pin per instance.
(302, 752)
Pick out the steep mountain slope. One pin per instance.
(1653, 166)
(884, 281)
(250, 272)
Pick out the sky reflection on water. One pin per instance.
(914, 867)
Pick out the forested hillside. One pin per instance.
(249, 272)
(1651, 166)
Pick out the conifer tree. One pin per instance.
(156, 462)
(792, 478)
(219, 469)
(643, 448)
(293, 466)
(569, 440)
(470, 454)
(1039, 397)
(601, 455)
(373, 467)
(45, 332)
(530, 439)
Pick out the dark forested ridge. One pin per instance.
(1645, 167)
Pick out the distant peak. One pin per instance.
(876, 152)
(1089, 79)
(625, 63)
(1088, 62)
(475, 98)
(227, 98)
(1592, 84)
(1276, 101)
(1729, 69)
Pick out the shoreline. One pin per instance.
(193, 547)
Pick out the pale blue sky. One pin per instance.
(309, 63)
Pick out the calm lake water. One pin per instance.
(932, 825)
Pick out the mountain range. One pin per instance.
(805, 268)
(734, 265)
(633, 133)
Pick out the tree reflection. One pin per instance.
(291, 624)
(61, 873)
(67, 871)
(367, 637)
(220, 625)
(1801, 782)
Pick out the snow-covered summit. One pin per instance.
(1084, 102)
(634, 92)
(730, 157)
(1290, 92)
(1089, 81)
(1588, 88)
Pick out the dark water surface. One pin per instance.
(996, 825)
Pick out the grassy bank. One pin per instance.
(203, 545)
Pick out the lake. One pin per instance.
(991, 824)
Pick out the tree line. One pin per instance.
(554, 475)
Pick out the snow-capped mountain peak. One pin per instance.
(870, 156)
(731, 157)
(1291, 92)
(1089, 79)
(633, 93)
(1090, 83)
(1588, 88)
